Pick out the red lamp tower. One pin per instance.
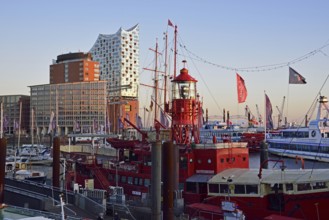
(186, 109)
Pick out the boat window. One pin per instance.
(223, 188)
(319, 185)
(276, 188)
(141, 181)
(202, 188)
(304, 186)
(191, 187)
(252, 189)
(289, 187)
(123, 179)
(181, 186)
(110, 177)
(136, 181)
(222, 160)
(147, 182)
(130, 180)
(214, 188)
(239, 189)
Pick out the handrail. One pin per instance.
(302, 161)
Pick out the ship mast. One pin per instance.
(165, 74)
(175, 51)
(156, 81)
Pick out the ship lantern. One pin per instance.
(185, 108)
(184, 86)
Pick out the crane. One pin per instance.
(251, 117)
(260, 119)
(280, 115)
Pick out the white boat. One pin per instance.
(31, 175)
(310, 142)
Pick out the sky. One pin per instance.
(216, 38)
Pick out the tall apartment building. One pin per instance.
(16, 108)
(74, 67)
(118, 56)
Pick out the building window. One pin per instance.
(127, 108)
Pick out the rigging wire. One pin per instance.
(260, 68)
(203, 80)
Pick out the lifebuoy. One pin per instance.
(313, 133)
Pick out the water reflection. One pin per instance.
(254, 162)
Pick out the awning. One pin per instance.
(199, 178)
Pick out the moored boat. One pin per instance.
(261, 193)
(311, 142)
(30, 175)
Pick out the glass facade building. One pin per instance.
(79, 107)
(13, 107)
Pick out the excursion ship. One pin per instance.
(311, 142)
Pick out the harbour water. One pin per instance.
(290, 163)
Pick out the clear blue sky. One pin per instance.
(228, 33)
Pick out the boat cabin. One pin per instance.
(246, 182)
(272, 190)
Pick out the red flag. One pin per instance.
(242, 90)
(170, 23)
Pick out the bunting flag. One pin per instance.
(295, 78)
(163, 119)
(242, 90)
(269, 121)
(50, 128)
(170, 23)
(126, 124)
(139, 121)
(151, 106)
(76, 126)
(54, 126)
(16, 125)
(120, 123)
(107, 122)
(95, 125)
(5, 123)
